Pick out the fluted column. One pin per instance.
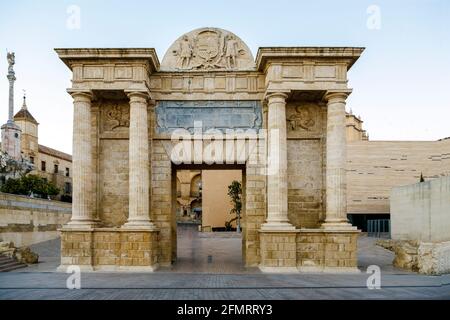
(82, 214)
(336, 154)
(277, 185)
(139, 177)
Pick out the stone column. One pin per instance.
(11, 78)
(82, 214)
(336, 161)
(139, 177)
(277, 185)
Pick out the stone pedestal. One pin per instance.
(278, 251)
(109, 249)
(11, 135)
(309, 250)
(327, 251)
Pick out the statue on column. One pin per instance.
(11, 57)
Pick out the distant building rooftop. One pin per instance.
(55, 153)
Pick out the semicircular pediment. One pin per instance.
(208, 49)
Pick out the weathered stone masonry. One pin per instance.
(126, 106)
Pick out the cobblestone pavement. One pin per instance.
(210, 267)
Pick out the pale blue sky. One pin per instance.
(401, 83)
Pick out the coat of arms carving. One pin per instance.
(208, 49)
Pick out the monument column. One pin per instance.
(139, 177)
(277, 185)
(336, 162)
(82, 214)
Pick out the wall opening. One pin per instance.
(201, 208)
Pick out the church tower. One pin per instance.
(11, 133)
(29, 126)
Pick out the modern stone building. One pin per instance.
(374, 168)
(371, 168)
(130, 112)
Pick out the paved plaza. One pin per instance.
(210, 266)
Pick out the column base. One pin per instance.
(81, 224)
(139, 224)
(338, 225)
(277, 226)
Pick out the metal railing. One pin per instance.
(379, 228)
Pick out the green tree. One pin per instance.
(235, 193)
(30, 185)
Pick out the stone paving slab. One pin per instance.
(157, 280)
(223, 277)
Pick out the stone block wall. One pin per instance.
(113, 182)
(321, 250)
(161, 201)
(110, 249)
(306, 163)
(278, 251)
(26, 221)
(254, 183)
(305, 182)
(309, 250)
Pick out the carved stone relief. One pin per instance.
(303, 119)
(208, 49)
(115, 116)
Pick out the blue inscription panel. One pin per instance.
(221, 115)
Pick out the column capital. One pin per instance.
(135, 95)
(272, 97)
(81, 95)
(337, 95)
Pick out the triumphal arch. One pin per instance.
(279, 117)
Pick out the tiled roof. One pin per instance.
(55, 153)
(25, 114)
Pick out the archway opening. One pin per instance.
(207, 237)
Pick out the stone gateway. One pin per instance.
(127, 107)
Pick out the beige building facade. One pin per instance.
(128, 113)
(374, 168)
(216, 205)
(202, 198)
